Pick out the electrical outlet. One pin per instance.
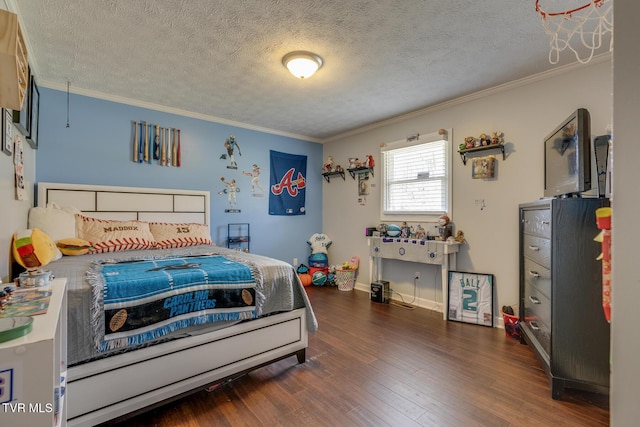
(417, 275)
(295, 261)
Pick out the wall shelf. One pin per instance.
(354, 171)
(238, 236)
(328, 175)
(14, 78)
(463, 153)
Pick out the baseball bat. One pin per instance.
(135, 143)
(178, 151)
(164, 147)
(146, 142)
(156, 144)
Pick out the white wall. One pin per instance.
(625, 293)
(526, 111)
(13, 213)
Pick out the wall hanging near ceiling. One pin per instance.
(21, 117)
(155, 144)
(34, 113)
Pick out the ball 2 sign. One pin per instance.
(470, 298)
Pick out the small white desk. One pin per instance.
(415, 250)
(34, 367)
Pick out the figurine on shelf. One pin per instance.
(484, 140)
(459, 236)
(496, 138)
(338, 168)
(469, 142)
(369, 162)
(421, 233)
(405, 231)
(353, 162)
(328, 165)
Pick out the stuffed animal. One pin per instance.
(459, 236)
(369, 162)
(496, 138)
(469, 142)
(328, 165)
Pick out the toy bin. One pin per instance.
(511, 325)
(345, 279)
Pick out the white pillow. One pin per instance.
(113, 235)
(58, 223)
(179, 235)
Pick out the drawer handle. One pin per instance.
(534, 300)
(534, 325)
(534, 248)
(534, 274)
(544, 222)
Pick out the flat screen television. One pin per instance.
(567, 157)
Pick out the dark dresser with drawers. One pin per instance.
(561, 316)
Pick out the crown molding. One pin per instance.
(474, 96)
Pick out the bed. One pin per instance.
(126, 375)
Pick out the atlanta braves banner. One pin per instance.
(288, 182)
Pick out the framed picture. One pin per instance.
(483, 167)
(21, 117)
(34, 106)
(470, 297)
(7, 131)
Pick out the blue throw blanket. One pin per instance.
(140, 300)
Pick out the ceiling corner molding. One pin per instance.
(171, 110)
(477, 95)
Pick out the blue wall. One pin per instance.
(97, 149)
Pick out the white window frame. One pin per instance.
(413, 215)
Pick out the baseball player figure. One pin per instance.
(231, 193)
(255, 178)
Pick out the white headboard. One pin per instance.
(129, 203)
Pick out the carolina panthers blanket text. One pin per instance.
(140, 300)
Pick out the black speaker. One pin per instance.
(380, 291)
(601, 145)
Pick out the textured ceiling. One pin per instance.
(222, 59)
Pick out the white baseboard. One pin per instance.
(421, 302)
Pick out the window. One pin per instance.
(416, 177)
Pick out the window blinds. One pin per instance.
(415, 177)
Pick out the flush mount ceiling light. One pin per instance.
(302, 64)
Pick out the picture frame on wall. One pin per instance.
(21, 117)
(470, 298)
(34, 109)
(7, 131)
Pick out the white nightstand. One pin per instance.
(33, 368)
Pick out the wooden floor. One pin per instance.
(374, 364)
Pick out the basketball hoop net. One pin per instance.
(582, 21)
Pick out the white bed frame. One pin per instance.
(116, 386)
